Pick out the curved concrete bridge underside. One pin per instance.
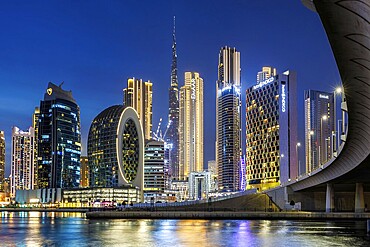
(347, 24)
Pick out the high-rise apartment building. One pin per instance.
(22, 162)
(139, 95)
(271, 132)
(2, 160)
(172, 138)
(35, 125)
(265, 74)
(59, 140)
(228, 119)
(319, 128)
(191, 126)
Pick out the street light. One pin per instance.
(337, 91)
(321, 134)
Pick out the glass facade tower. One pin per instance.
(228, 120)
(172, 138)
(319, 127)
(59, 140)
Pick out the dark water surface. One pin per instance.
(73, 229)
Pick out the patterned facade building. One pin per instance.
(271, 132)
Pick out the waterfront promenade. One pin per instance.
(289, 215)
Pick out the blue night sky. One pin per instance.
(94, 46)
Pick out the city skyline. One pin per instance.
(29, 66)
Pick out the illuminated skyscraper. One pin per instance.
(2, 160)
(191, 126)
(228, 119)
(23, 165)
(138, 95)
(115, 149)
(265, 74)
(319, 127)
(172, 137)
(271, 132)
(59, 145)
(35, 125)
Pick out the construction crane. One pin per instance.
(159, 135)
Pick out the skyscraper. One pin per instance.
(228, 119)
(319, 127)
(172, 137)
(191, 126)
(23, 165)
(115, 149)
(271, 132)
(138, 95)
(35, 125)
(59, 146)
(265, 74)
(2, 160)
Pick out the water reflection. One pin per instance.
(72, 229)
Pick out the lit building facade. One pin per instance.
(212, 168)
(22, 161)
(228, 120)
(319, 127)
(191, 126)
(139, 95)
(35, 125)
(154, 168)
(172, 138)
(59, 140)
(271, 132)
(116, 149)
(199, 185)
(266, 73)
(2, 160)
(84, 172)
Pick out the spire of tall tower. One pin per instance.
(173, 114)
(174, 81)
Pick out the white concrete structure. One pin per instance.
(199, 185)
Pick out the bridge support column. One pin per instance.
(329, 198)
(359, 198)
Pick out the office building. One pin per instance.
(271, 132)
(22, 161)
(139, 95)
(115, 149)
(319, 127)
(84, 183)
(59, 140)
(265, 74)
(191, 126)
(228, 120)
(2, 160)
(172, 137)
(199, 185)
(154, 169)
